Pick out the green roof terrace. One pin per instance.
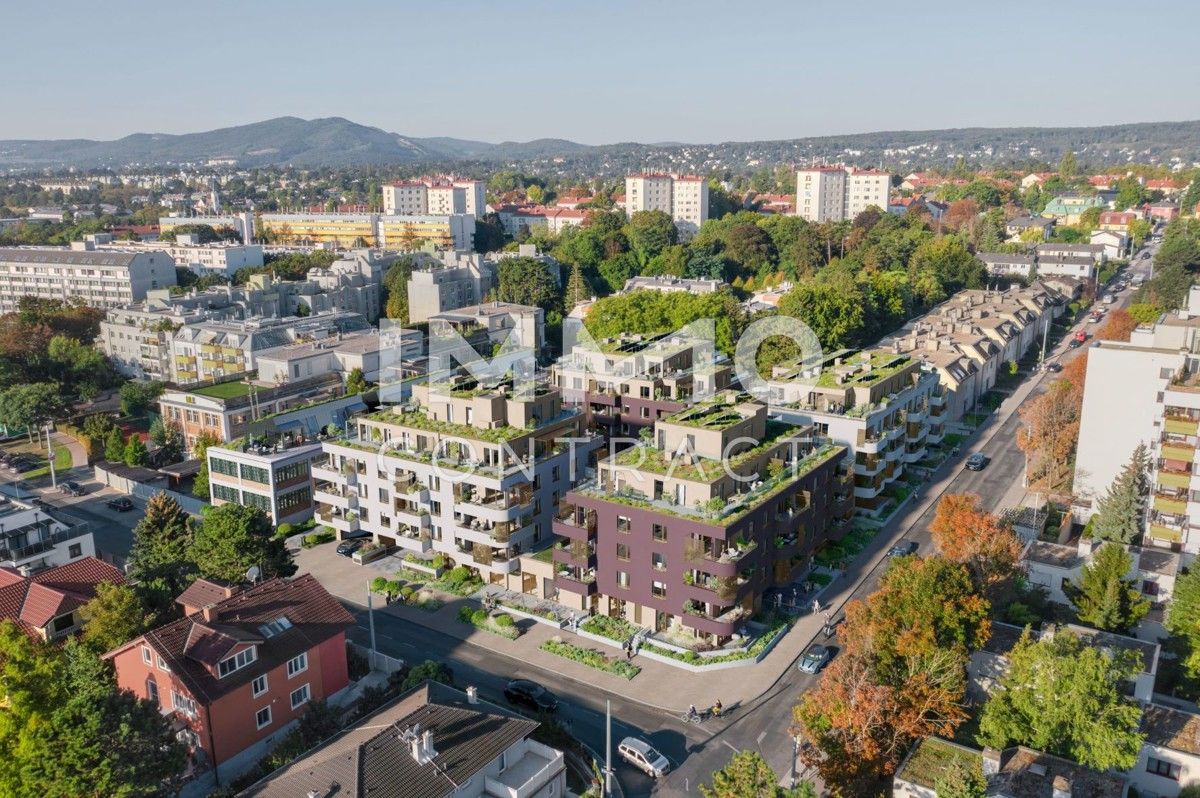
(933, 758)
(720, 412)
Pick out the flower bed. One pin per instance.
(592, 658)
(613, 628)
(501, 624)
(752, 652)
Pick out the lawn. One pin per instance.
(62, 462)
(225, 390)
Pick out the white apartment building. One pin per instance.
(270, 473)
(32, 538)
(335, 354)
(204, 259)
(839, 193)
(683, 197)
(453, 280)
(100, 279)
(492, 323)
(667, 284)
(515, 218)
(475, 474)
(435, 196)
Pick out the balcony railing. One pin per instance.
(17, 547)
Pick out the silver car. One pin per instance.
(644, 757)
(814, 658)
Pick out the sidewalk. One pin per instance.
(658, 685)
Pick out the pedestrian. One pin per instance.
(628, 653)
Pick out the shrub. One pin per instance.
(316, 539)
(457, 576)
(406, 593)
(504, 621)
(591, 658)
(438, 561)
(466, 614)
(379, 584)
(283, 530)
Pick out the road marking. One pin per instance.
(759, 740)
(731, 746)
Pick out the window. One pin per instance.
(299, 696)
(152, 691)
(255, 474)
(220, 466)
(658, 531)
(622, 551)
(75, 550)
(147, 657)
(63, 622)
(623, 579)
(301, 497)
(1161, 767)
(236, 662)
(658, 560)
(182, 703)
(162, 666)
(263, 717)
(622, 523)
(276, 626)
(297, 665)
(658, 589)
(259, 685)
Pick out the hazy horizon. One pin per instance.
(701, 72)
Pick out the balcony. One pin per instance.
(529, 775)
(1178, 451)
(868, 469)
(575, 553)
(335, 496)
(26, 542)
(1174, 479)
(576, 580)
(1181, 425)
(326, 473)
(1173, 504)
(1166, 534)
(576, 523)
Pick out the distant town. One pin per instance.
(795, 479)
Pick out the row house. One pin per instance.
(241, 667)
(473, 473)
(885, 408)
(683, 534)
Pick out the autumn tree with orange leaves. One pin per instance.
(1050, 429)
(901, 674)
(1118, 326)
(964, 532)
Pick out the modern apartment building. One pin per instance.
(885, 408)
(474, 473)
(334, 354)
(454, 280)
(241, 223)
(667, 284)
(484, 326)
(684, 533)
(241, 666)
(270, 472)
(434, 742)
(209, 350)
(625, 385)
(1146, 391)
(839, 193)
(100, 279)
(436, 196)
(221, 258)
(33, 538)
(226, 410)
(682, 197)
(345, 230)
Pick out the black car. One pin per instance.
(531, 695)
(1052, 367)
(903, 549)
(977, 461)
(72, 488)
(347, 547)
(120, 504)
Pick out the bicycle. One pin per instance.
(692, 717)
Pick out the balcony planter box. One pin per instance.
(520, 613)
(423, 568)
(370, 555)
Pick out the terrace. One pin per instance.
(863, 373)
(645, 457)
(716, 414)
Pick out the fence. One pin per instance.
(144, 490)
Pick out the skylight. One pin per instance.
(276, 626)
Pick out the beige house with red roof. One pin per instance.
(46, 605)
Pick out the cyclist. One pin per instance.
(692, 713)
(717, 708)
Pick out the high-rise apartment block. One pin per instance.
(839, 193)
(683, 197)
(435, 196)
(101, 279)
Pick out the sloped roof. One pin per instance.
(32, 602)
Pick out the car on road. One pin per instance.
(347, 547)
(531, 695)
(814, 658)
(903, 548)
(1052, 366)
(121, 504)
(977, 461)
(644, 757)
(72, 488)
(1075, 343)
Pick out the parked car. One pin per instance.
(644, 757)
(977, 461)
(531, 695)
(347, 547)
(903, 549)
(72, 488)
(121, 504)
(814, 658)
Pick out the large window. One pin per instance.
(297, 665)
(255, 474)
(293, 471)
(254, 500)
(263, 717)
(299, 696)
(297, 498)
(259, 685)
(226, 467)
(225, 493)
(1161, 767)
(237, 661)
(182, 703)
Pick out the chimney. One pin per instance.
(472, 695)
(210, 612)
(1062, 787)
(991, 761)
(428, 750)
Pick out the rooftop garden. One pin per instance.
(421, 421)
(708, 471)
(883, 365)
(933, 757)
(717, 413)
(224, 390)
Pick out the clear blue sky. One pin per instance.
(595, 71)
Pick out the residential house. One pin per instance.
(45, 603)
(1014, 228)
(1115, 244)
(33, 537)
(242, 665)
(1069, 208)
(434, 742)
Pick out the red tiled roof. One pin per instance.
(190, 644)
(205, 592)
(32, 602)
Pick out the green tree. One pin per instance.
(1120, 511)
(649, 234)
(135, 453)
(961, 779)
(528, 281)
(1068, 167)
(1066, 698)
(747, 775)
(835, 309)
(31, 406)
(1169, 287)
(355, 381)
(1181, 251)
(138, 397)
(160, 559)
(394, 295)
(1139, 231)
(615, 271)
(948, 258)
(1181, 620)
(232, 539)
(1130, 193)
(577, 288)
(1104, 597)
(114, 446)
(200, 452)
(115, 616)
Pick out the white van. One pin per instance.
(644, 757)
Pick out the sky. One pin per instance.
(596, 72)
